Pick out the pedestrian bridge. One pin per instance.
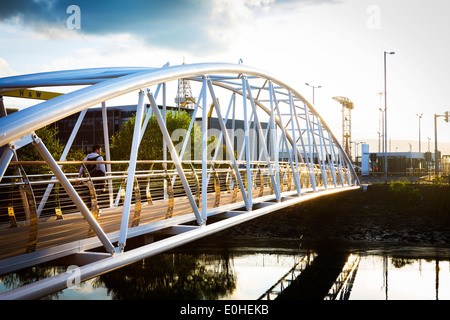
(283, 153)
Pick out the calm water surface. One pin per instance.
(388, 278)
(251, 273)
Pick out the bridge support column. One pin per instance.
(204, 153)
(43, 151)
(247, 144)
(131, 173)
(107, 152)
(5, 160)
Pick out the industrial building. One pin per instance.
(91, 130)
(402, 163)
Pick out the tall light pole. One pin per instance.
(380, 123)
(313, 87)
(385, 118)
(436, 163)
(436, 156)
(420, 117)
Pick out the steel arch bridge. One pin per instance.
(285, 154)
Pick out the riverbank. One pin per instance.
(407, 215)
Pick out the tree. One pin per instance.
(29, 153)
(151, 146)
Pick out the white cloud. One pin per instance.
(297, 41)
(5, 69)
(228, 18)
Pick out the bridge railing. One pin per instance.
(27, 205)
(22, 195)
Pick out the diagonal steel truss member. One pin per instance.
(295, 130)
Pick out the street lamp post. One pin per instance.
(313, 87)
(436, 163)
(380, 123)
(385, 118)
(420, 117)
(436, 155)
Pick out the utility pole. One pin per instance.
(436, 164)
(380, 123)
(385, 118)
(313, 87)
(420, 117)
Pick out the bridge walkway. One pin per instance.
(56, 232)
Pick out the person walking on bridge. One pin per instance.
(95, 169)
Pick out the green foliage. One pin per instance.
(74, 155)
(29, 152)
(404, 192)
(151, 147)
(437, 180)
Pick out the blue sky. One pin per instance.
(336, 44)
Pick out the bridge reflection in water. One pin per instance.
(253, 273)
(234, 274)
(294, 158)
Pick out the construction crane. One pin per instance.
(347, 107)
(184, 97)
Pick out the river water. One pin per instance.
(389, 278)
(252, 269)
